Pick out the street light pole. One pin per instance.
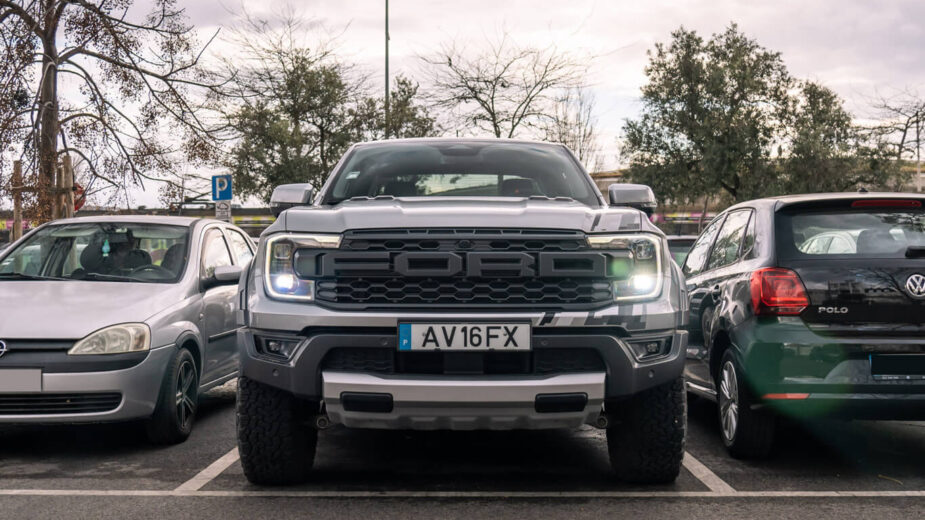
(386, 69)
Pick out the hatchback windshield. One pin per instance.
(873, 233)
(100, 251)
(467, 169)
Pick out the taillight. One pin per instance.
(777, 292)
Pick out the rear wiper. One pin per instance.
(915, 252)
(24, 276)
(545, 197)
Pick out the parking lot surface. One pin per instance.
(841, 470)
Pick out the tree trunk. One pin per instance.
(48, 204)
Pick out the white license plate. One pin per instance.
(464, 336)
(20, 380)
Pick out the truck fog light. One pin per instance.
(276, 347)
(650, 348)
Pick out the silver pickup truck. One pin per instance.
(461, 284)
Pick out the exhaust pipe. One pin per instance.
(602, 421)
(322, 422)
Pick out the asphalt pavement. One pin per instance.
(818, 470)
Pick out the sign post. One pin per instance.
(221, 194)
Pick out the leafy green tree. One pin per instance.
(408, 117)
(827, 152)
(724, 117)
(295, 109)
(711, 112)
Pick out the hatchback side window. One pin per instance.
(214, 252)
(698, 255)
(748, 243)
(729, 241)
(240, 247)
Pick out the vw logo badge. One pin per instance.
(3, 348)
(916, 285)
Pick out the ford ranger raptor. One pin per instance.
(461, 284)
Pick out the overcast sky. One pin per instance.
(856, 47)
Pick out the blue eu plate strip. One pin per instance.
(404, 336)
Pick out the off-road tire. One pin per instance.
(165, 426)
(646, 441)
(754, 434)
(275, 440)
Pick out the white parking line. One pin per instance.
(205, 476)
(460, 494)
(705, 475)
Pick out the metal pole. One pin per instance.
(16, 182)
(387, 69)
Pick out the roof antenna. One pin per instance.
(862, 189)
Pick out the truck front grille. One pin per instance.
(562, 293)
(461, 268)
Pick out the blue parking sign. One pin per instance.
(221, 187)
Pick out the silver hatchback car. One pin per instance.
(117, 318)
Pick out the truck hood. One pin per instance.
(73, 309)
(449, 212)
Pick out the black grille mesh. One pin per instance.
(388, 361)
(50, 404)
(502, 291)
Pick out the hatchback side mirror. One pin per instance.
(637, 196)
(286, 196)
(223, 275)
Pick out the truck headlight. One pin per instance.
(118, 339)
(635, 266)
(280, 278)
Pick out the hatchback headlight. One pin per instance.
(636, 266)
(118, 339)
(280, 278)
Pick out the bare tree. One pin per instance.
(902, 126)
(114, 90)
(503, 90)
(574, 124)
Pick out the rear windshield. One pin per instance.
(467, 169)
(850, 233)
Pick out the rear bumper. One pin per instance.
(887, 407)
(828, 375)
(463, 403)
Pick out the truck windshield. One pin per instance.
(467, 169)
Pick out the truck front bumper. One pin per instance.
(463, 402)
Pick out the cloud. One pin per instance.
(856, 47)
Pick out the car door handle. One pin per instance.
(716, 292)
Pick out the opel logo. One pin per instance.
(3, 348)
(916, 285)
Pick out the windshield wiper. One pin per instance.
(24, 276)
(108, 278)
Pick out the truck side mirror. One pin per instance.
(637, 196)
(286, 196)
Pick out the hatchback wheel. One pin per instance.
(747, 433)
(178, 401)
